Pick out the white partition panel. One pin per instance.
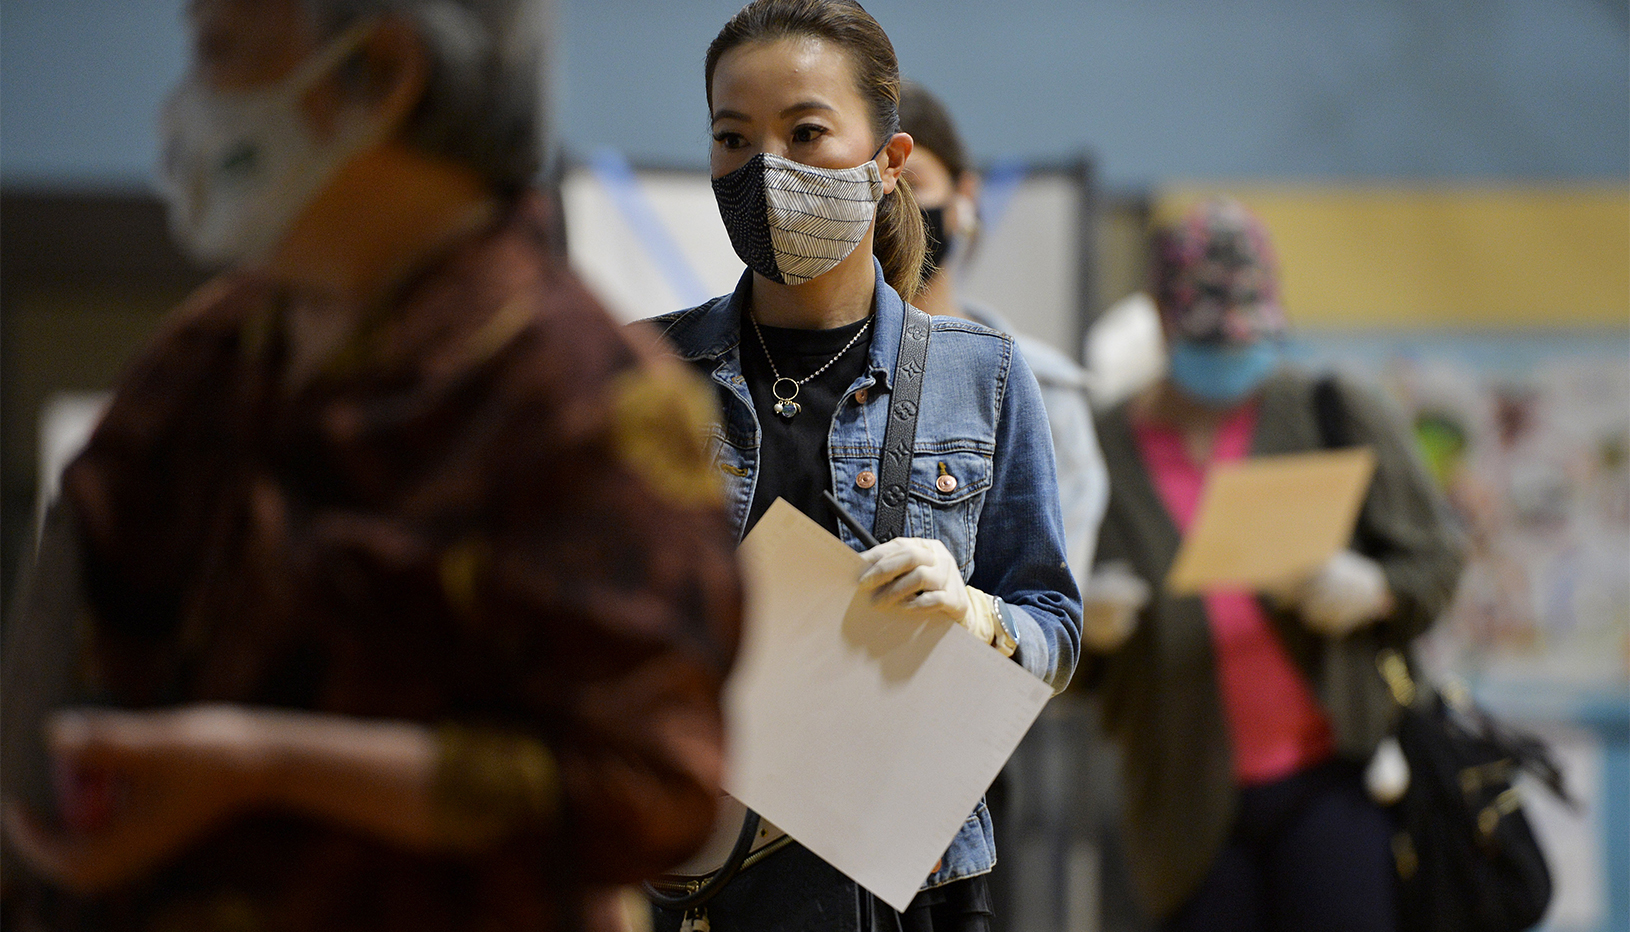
(1029, 261)
(622, 258)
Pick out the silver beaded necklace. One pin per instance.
(784, 404)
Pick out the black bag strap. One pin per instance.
(900, 435)
(697, 894)
(1331, 413)
(1335, 433)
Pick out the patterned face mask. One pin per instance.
(792, 222)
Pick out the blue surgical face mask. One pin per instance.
(1221, 375)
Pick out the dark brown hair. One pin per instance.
(931, 127)
(899, 244)
(483, 104)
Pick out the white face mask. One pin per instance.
(238, 167)
(792, 222)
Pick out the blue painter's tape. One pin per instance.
(620, 182)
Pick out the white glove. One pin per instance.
(1348, 592)
(1387, 776)
(1110, 602)
(919, 576)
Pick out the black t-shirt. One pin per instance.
(794, 463)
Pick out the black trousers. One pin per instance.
(1310, 853)
(795, 891)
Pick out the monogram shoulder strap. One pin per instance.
(900, 435)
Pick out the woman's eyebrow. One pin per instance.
(806, 105)
(803, 106)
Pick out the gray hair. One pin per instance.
(483, 104)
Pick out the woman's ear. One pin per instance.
(396, 72)
(894, 156)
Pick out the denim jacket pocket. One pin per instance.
(948, 486)
(733, 461)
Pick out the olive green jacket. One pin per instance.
(1160, 695)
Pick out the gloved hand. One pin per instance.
(1348, 592)
(920, 577)
(1387, 775)
(1111, 599)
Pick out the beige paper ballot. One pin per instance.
(868, 738)
(1268, 520)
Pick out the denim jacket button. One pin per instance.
(866, 479)
(860, 397)
(945, 484)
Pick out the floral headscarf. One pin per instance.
(1215, 276)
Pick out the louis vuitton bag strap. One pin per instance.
(900, 435)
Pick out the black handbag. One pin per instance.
(1466, 856)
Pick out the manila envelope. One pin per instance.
(1268, 520)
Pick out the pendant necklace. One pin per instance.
(784, 404)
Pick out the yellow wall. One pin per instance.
(1399, 257)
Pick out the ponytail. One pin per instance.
(899, 241)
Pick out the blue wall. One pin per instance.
(80, 82)
(1322, 90)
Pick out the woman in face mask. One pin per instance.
(1255, 760)
(818, 360)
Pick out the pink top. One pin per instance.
(1275, 722)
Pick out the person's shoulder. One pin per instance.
(970, 333)
(667, 321)
(224, 302)
(1369, 413)
(683, 329)
(1370, 406)
(978, 352)
(684, 317)
(223, 318)
(1052, 368)
(1302, 386)
(179, 385)
(1049, 365)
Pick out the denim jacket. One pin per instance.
(981, 421)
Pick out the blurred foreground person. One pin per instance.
(408, 595)
(1251, 722)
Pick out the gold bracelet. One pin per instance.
(491, 784)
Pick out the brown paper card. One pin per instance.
(1269, 520)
